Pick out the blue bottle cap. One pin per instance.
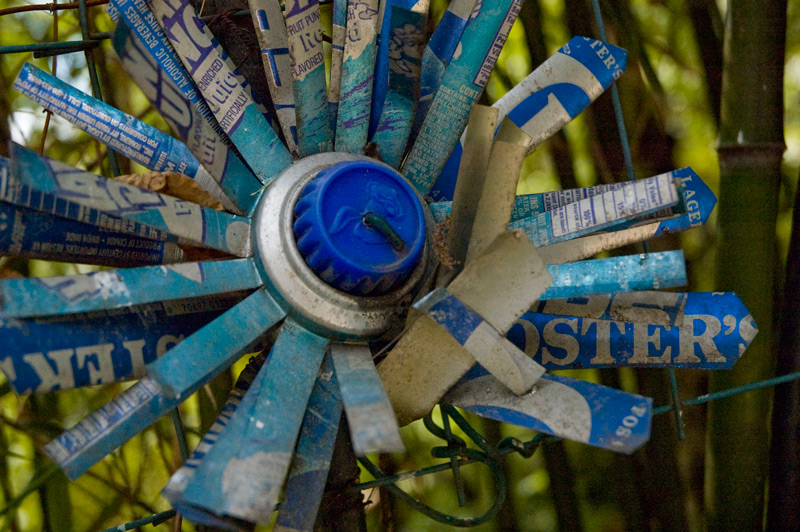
(360, 228)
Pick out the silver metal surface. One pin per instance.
(304, 295)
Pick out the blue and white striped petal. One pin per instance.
(260, 439)
(47, 354)
(358, 73)
(190, 222)
(642, 329)
(227, 95)
(113, 289)
(461, 86)
(646, 271)
(312, 458)
(569, 408)
(304, 29)
(270, 28)
(373, 426)
(171, 379)
(551, 96)
(634, 199)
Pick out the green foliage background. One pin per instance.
(671, 101)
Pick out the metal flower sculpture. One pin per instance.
(329, 257)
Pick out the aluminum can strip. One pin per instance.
(695, 206)
(500, 285)
(86, 443)
(474, 169)
(373, 426)
(121, 132)
(35, 235)
(500, 357)
(633, 200)
(111, 289)
(312, 459)
(461, 86)
(504, 281)
(270, 28)
(189, 222)
(497, 194)
(201, 133)
(143, 25)
(229, 339)
(569, 408)
(184, 474)
(697, 202)
(46, 354)
(262, 438)
(406, 35)
(28, 199)
(380, 85)
(304, 30)
(229, 99)
(145, 30)
(646, 271)
(171, 379)
(358, 72)
(338, 30)
(642, 329)
(588, 246)
(439, 52)
(550, 97)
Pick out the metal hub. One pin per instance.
(302, 293)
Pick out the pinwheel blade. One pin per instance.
(551, 96)
(472, 175)
(123, 133)
(339, 31)
(23, 200)
(181, 478)
(642, 329)
(496, 354)
(31, 234)
(569, 408)
(387, 35)
(47, 354)
(634, 199)
(113, 289)
(462, 84)
(696, 199)
(148, 58)
(229, 99)
(260, 438)
(499, 286)
(270, 28)
(358, 72)
(647, 271)
(304, 30)
(312, 459)
(496, 199)
(171, 379)
(188, 221)
(407, 28)
(373, 426)
(437, 55)
(697, 202)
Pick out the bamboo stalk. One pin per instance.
(783, 512)
(751, 145)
